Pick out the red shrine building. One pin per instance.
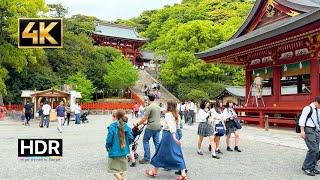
(280, 42)
(124, 38)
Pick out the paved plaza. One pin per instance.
(275, 154)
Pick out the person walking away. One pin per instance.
(77, 112)
(182, 112)
(61, 113)
(152, 119)
(118, 140)
(136, 109)
(68, 111)
(28, 109)
(46, 112)
(310, 128)
(40, 112)
(217, 115)
(192, 110)
(169, 154)
(230, 115)
(187, 112)
(205, 128)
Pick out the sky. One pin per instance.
(112, 9)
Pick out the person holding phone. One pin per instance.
(230, 115)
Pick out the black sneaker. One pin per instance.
(215, 156)
(200, 153)
(179, 172)
(237, 149)
(219, 151)
(229, 149)
(144, 161)
(315, 171)
(133, 164)
(309, 173)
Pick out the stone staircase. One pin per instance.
(146, 79)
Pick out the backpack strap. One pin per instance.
(309, 117)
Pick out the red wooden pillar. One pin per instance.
(261, 119)
(248, 75)
(314, 77)
(276, 84)
(135, 54)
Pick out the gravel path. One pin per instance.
(276, 154)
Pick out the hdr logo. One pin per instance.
(39, 147)
(40, 33)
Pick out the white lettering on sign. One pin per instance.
(256, 61)
(266, 59)
(301, 52)
(286, 55)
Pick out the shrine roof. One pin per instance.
(263, 33)
(118, 31)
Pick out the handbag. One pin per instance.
(237, 123)
(219, 129)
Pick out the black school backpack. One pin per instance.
(298, 128)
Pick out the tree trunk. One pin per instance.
(1, 99)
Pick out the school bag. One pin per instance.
(298, 128)
(219, 128)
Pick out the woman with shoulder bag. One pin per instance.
(205, 128)
(219, 126)
(231, 126)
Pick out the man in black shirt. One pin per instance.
(28, 109)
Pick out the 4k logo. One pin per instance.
(40, 33)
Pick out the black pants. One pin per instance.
(68, 118)
(191, 117)
(136, 114)
(28, 117)
(312, 142)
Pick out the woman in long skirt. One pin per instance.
(169, 154)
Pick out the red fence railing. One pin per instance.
(106, 105)
(16, 107)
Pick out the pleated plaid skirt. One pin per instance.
(205, 129)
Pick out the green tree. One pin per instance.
(82, 84)
(10, 55)
(58, 10)
(121, 74)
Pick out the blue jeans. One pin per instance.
(77, 118)
(148, 134)
(46, 120)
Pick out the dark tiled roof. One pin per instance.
(271, 30)
(113, 30)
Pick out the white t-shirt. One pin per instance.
(203, 115)
(216, 117)
(182, 107)
(192, 107)
(46, 109)
(229, 113)
(77, 109)
(171, 124)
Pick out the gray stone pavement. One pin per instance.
(275, 154)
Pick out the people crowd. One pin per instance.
(215, 121)
(62, 114)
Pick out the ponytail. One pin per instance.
(121, 117)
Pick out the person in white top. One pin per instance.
(169, 154)
(77, 112)
(205, 128)
(217, 118)
(230, 115)
(46, 112)
(191, 113)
